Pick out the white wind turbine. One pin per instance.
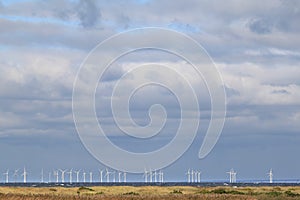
(161, 176)
(270, 174)
(6, 175)
(107, 175)
(42, 176)
(192, 176)
(101, 175)
(91, 177)
(70, 175)
(231, 174)
(24, 175)
(188, 175)
(55, 173)
(77, 175)
(234, 177)
(196, 176)
(145, 175)
(150, 176)
(49, 177)
(155, 176)
(114, 176)
(119, 176)
(16, 174)
(62, 175)
(84, 174)
(124, 176)
(199, 177)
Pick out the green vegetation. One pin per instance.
(176, 192)
(130, 193)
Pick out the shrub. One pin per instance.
(130, 193)
(274, 193)
(176, 192)
(82, 188)
(291, 194)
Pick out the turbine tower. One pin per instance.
(234, 177)
(188, 176)
(124, 176)
(270, 174)
(84, 176)
(77, 175)
(15, 174)
(199, 177)
(55, 173)
(24, 175)
(114, 176)
(231, 175)
(62, 175)
(119, 176)
(196, 176)
(49, 177)
(150, 176)
(6, 175)
(101, 175)
(91, 177)
(161, 176)
(70, 175)
(107, 175)
(42, 176)
(146, 175)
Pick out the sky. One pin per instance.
(255, 45)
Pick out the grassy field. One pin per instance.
(149, 192)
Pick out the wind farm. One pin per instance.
(108, 176)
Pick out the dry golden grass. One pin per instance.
(149, 192)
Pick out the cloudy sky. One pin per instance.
(254, 44)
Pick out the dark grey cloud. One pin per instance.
(260, 26)
(88, 12)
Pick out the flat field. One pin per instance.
(149, 192)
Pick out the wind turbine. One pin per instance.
(62, 175)
(114, 176)
(231, 174)
(77, 175)
(150, 176)
(161, 176)
(55, 173)
(196, 176)
(24, 175)
(6, 175)
(84, 176)
(42, 176)
(91, 177)
(188, 175)
(15, 174)
(49, 177)
(270, 174)
(71, 175)
(124, 176)
(155, 176)
(146, 175)
(119, 176)
(192, 176)
(107, 175)
(101, 175)
(234, 177)
(199, 177)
